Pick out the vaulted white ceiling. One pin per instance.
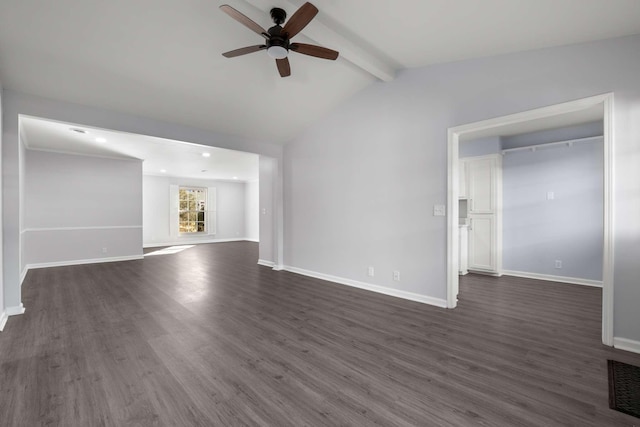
(162, 58)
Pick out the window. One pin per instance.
(192, 210)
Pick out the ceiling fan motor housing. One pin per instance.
(278, 15)
(277, 37)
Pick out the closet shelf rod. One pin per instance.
(569, 143)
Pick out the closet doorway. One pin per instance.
(556, 116)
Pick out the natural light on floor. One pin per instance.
(170, 250)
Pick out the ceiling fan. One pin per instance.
(278, 38)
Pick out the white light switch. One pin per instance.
(439, 210)
(550, 195)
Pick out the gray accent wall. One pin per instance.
(80, 208)
(569, 227)
(230, 208)
(360, 185)
(480, 147)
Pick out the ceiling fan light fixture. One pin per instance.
(277, 52)
(278, 38)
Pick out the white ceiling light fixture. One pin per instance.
(235, 177)
(206, 154)
(101, 139)
(163, 170)
(277, 52)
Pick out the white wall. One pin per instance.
(252, 211)
(10, 207)
(22, 156)
(268, 174)
(76, 206)
(360, 185)
(2, 308)
(230, 207)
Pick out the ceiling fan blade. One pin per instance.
(283, 67)
(244, 20)
(243, 51)
(313, 50)
(300, 19)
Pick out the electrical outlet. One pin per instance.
(104, 250)
(558, 263)
(551, 195)
(396, 276)
(370, 272)
(439, 210)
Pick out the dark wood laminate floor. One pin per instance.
(206, 337)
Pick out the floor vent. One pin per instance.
(624, 388)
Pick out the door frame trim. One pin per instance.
(453, 138)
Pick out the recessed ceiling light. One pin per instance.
(235, 177)
(101, 139)
(206, 154)
(78, 130)
(163, 170)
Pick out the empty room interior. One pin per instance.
(279, 213)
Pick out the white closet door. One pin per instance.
(482, 185)
(482, 244)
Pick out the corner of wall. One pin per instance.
(3, 319)
(3, 314)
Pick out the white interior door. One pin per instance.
(481, 191)
(482, 245)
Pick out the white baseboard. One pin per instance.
(626, 344)
(14, 311)
(277, 267)
(551, 278)
(83, 261)
(3, 320)
(369, 287)
(484, 273)
(251, 240)
(266, 263)
(192, 242)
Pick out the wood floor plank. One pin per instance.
(208, 337)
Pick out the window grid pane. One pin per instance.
(192, 208)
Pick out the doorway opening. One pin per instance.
(580, 111)
(90, 194)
